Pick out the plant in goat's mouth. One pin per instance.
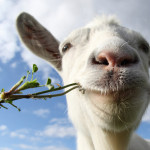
(16, 92)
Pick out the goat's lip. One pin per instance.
(108, 92)
(109, 95)
(105, 91)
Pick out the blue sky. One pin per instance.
(43, 125)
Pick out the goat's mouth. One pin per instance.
(112, 92)
(119, 85)
(110, 95)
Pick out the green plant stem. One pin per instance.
(17, 97)
(12, 90)
(56, 89)
(15, 93)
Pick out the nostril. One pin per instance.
(101, 61)
(124, 62)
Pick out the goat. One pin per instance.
(111, 63)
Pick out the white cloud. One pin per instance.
(29, 147)
(53, 148)
(60, 121)
(5, 148)
(58, 128)
(25, 135)
(3, 127)
(14, 65)
(24, 146)
(3, 130)
(146, 117)
(58, 131)
(42, 112)
(8, 46)
(8, 41)
(21, 133)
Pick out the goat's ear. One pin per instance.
(40, 41)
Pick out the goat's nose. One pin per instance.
(110, 59)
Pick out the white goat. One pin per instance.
(111, 64)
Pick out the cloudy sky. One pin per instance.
(43, 125)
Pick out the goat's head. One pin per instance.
(109, 61)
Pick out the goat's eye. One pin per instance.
(144, 47)
(66, 47)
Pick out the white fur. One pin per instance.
(106, 116)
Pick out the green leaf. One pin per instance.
(29, 84)
(9, 101)
(48, 81)
(2, 90)
(28, 72)
(35, 68)
(49, 85)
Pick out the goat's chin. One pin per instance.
(112, 110)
